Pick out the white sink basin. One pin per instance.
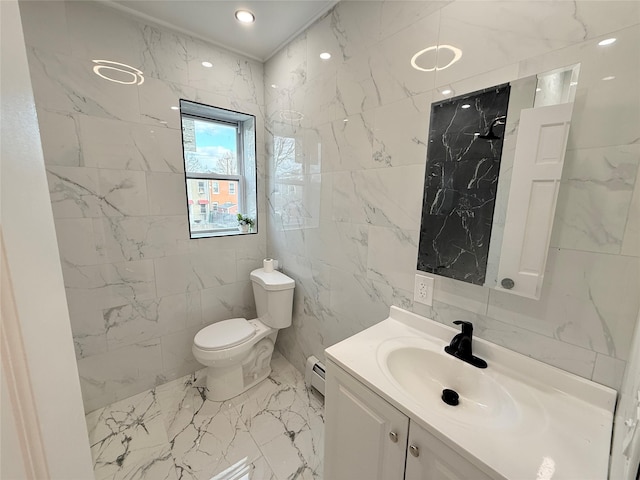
(423, 369)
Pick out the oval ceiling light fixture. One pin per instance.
(273, 85)
(446, 91)
(291, 115)
(457, 55)
(466, 105)
(245, 16)
(610, 77)
(132, 76)
(606, 42)
(207, 64)
(325, 55)
(175, 108)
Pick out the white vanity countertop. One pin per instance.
(561, 428)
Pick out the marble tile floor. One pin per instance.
(274, 431)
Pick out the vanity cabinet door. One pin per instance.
(365, 437)
(430, 459)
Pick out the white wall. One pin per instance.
(361, 128)
(50, 376)
(138, 289)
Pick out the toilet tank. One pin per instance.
(273, 292)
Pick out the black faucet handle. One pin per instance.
(467, 327)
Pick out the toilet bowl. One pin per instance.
(237, 352)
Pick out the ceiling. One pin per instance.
(276, 23)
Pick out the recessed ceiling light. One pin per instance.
(325, 55)
(245, 16)
(611, 77)
(446, 91)
(273, 85)
(538, 89)
(606, 42)
(346, 120)
(207, 64)
(175, 108)
(466, 105)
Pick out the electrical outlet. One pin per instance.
(423, 290)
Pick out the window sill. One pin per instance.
(227, 233)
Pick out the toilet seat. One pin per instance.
(225, 334)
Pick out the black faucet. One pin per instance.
(460, 346)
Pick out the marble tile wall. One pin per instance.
(362, 121)
(138, 289)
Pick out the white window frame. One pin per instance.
(229, 118)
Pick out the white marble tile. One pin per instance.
(631, 240)
(398, 15)
(511, 31)
(76, 241)
(195, 271)
(209, 438)
(142, 320)
(358, 299)
(464, 295)
(402, 142)
(392, 256)
(74, 192)
(395, 77)
(177, 359)
(108, 285)
(128, 438)
(68, 84)
(587, 300)
(167, 193)
(106, 374)
(353, 141)
(355, 26)
(129, 146)
(287, 69)
(60, 136)
(100, 32)
(595, 197)
(340, 245)
(609, 371)
(164, 54)
(231, 75)
(385, 197)
(89, 332)
(156, 99)
(134, 238)
(228, 301)
(357, 88)
(122, 193)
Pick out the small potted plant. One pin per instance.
(245, 224)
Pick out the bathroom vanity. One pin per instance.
(518, 418)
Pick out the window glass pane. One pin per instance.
(210, 210)
(210, 147)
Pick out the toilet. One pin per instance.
(237, 352)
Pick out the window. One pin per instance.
(219, 148)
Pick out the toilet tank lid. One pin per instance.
(272, 280)
(225, 334)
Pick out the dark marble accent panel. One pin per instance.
(460, 184)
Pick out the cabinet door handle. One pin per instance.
(393, 436)
(415, 451)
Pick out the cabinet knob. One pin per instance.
(393, 436)
(415, 451)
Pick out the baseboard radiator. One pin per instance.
(314, 374)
